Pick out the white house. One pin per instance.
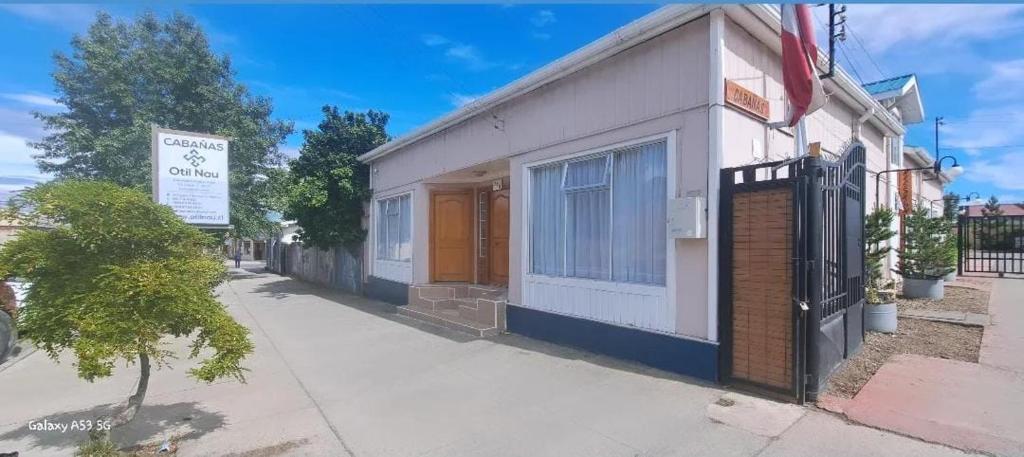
(542, 206)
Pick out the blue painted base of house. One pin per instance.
(386, 291)
(665, 352)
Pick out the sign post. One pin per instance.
(190, 175)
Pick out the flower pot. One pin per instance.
(923, 288)
(950, 277)
(880, 317)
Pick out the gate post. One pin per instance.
(961, 220)
(814, 273)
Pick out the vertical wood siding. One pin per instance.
(762, 322)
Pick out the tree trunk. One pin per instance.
(135, 401)
(128, 413)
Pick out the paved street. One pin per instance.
(338, 375)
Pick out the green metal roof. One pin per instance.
(886, 85)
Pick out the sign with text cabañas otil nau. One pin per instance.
(190, 174)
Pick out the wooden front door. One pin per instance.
(498, 245)
(451, 236)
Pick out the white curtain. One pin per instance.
(639, 202)
(405, 230)
(588, 216)
(547, 221)
(394, 222)
(601, 217)
(394, 228)
(382, 229)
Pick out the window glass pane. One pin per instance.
(638, 248)
(382, 230)
(586, 173)
(405, 233)
(547, 220)
(394, 229)
(587, 234)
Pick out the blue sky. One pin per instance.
(418, 62)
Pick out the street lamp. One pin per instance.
(952, 172)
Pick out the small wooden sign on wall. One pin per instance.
(747, 101)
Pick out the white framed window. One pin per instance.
(394, 228)
(896, 151)
(601, 216)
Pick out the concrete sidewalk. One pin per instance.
(965, 405)
(337, 375)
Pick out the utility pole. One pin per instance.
(938, 122)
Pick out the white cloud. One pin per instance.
(470, 56)
(431, 39)
(71, 17)
(1005, 80)
(466, 54)
(881, 27)
(20, 123)
(1010, 198)
(458, 100)
(46, 101)
(1002, 171)
(19, 168)
(543, 18)
(984, 128)
(289, 151)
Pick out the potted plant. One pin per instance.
(923, 258)
(880, 311)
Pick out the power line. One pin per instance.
(881, 73)
(1006, 146)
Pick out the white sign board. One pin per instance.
(191, 175)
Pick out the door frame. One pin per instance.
(431, 248)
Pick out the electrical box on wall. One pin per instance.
(686, 217)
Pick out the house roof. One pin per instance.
(901, 92)
(886, 85)
(1009, 209)
(922, 158)
(660, 21)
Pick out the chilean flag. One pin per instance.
(799, 55)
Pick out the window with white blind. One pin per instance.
(601, 216)
(394, 228)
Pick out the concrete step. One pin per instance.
(489, 292)
(448, 318)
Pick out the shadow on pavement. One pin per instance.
(186, 420)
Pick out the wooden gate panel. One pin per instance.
(762, 321)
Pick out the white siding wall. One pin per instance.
(625, 304)
(392, 270)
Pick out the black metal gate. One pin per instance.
(791, 279)
(990, 244)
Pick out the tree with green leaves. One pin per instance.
(329, 185)
(951, 206)
(992, 207)
(122, 77)
(992, 233)
(877, 233)
(113, 275)
(925, 252)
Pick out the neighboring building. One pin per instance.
(251, 249)
(1008, 209)
(924, 188)
(559, 185)
(8, 230)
